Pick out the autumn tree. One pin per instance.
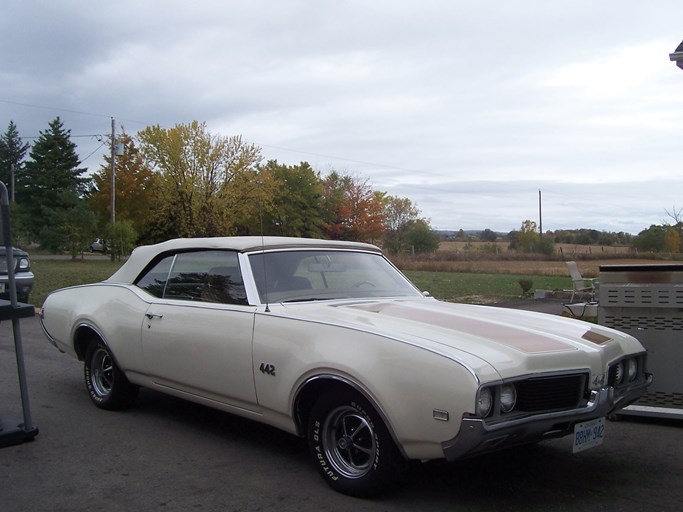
(12, 153)
(133, 187)
(296, 204)
(399, 213)
(528, 240)
(672, 240)
(50, 182)
(658, 239)
(208, 185)
(353, 210)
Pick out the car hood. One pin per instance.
(511, 341)
(15, 251)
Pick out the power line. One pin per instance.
(98, 136)
(321, 155)
(44, 107)
(96, 150)
(71, 111)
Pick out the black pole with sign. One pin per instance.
(14, 430)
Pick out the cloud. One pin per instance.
(467, 108)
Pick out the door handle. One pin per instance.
(153, 315)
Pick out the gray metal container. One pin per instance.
(646, 301)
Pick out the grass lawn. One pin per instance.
(54, 274)
(482, 288)
(451, 286)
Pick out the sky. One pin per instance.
(467, 108)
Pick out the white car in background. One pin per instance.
(329, 341)
(98, 245)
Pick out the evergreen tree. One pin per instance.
(73, 230)
(51, 181)
(12, 152)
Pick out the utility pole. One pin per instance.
(11, 182)
(113, 170)
(540, 214)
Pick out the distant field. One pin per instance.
(565, 249)
(589, 268)
(460, 280)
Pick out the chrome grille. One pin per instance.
(550, 393)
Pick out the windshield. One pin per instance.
(291, 276)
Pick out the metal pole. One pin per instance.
(11, 182)
(113, 171)
(11, 283)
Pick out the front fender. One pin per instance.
(422, 395)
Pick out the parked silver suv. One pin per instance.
(23, 276)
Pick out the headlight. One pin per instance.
(23, 264)
(484, 402)
(631, 369)
(508, 397)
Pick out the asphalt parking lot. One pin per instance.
(170, 455)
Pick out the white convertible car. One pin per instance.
(328, 340)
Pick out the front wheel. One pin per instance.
(351, 446)
(107, 385)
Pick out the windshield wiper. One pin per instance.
(311, 299)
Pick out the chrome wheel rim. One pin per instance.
(349, 442)
(102, 377)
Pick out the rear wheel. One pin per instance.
(107, 385)
(351, 446)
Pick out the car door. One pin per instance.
(197, 334)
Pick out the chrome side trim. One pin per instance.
(50, 338)
(99, 334)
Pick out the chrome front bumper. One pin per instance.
(476, 436)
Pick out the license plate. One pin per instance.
(589, 434)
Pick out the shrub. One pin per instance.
(526, 285)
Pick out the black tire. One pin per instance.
(107, 386)
(350, 445)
